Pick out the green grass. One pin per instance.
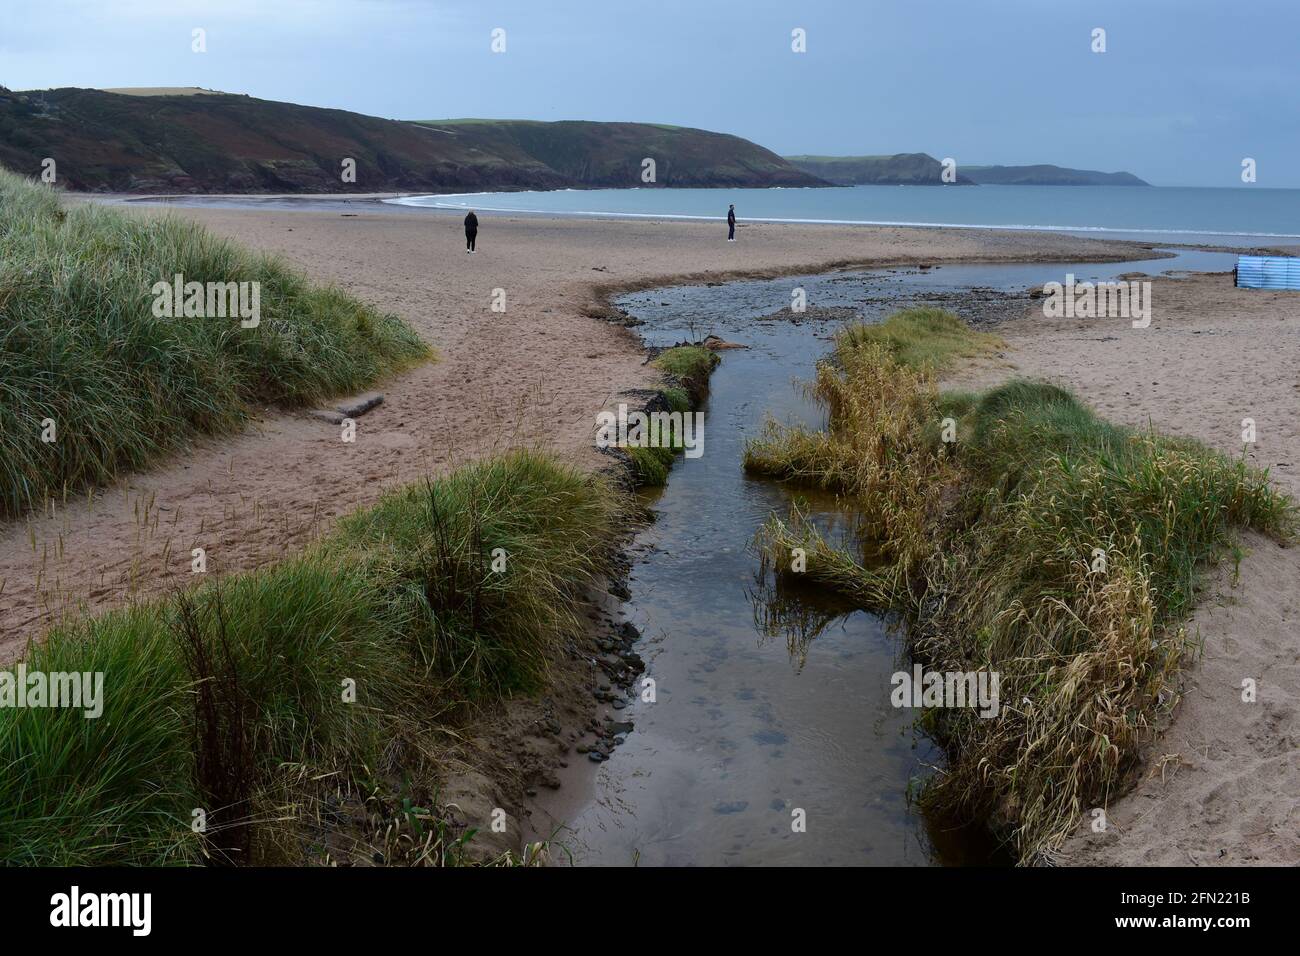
(111, 790)
(923, 338)
(678, 399)
(687, 362)
(988, 546)
(79, 343)
(688, 368)
(401, 598)
(650, 466)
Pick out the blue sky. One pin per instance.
(1185, 90)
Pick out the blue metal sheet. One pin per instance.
(1268, 272)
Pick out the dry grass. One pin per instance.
(988, 544)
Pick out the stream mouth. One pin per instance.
(772, 703)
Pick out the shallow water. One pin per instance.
(751, 722)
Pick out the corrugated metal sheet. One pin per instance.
(1268, 272)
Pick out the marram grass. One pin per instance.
(403, 600)
(650, 466)
(81, 347)
(989, 546)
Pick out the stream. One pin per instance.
(769, 704)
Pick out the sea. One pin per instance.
(1245, 216)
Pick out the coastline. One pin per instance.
(396, 202)
(266, 493)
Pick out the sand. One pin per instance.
(1220, 785)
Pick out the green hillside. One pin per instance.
(611, 154)
(920, 169)
(222, 142)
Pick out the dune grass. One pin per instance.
(80, 345)
(1043, 543)
(230, 697)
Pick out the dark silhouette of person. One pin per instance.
(471, 230)
(731, 223)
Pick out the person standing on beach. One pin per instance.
(471, 230)
(731, 223)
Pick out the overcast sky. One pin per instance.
(1185, 90)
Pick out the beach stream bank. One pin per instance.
(771, 708)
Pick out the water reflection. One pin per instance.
(792, 613)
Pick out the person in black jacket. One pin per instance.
(731, 223)
(471, 230)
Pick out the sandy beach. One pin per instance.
(536, 374)
(1222, 780)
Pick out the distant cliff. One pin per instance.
(901, 169)
(1046, 175)
(921, 169)
(195, 141)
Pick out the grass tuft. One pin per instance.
(650, 466)
(989, 545)
(922, 338)
(233, 698)
(689, 367)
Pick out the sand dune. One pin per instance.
(1219, 787)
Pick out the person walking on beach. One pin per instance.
(471, 230)
(731, 223)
